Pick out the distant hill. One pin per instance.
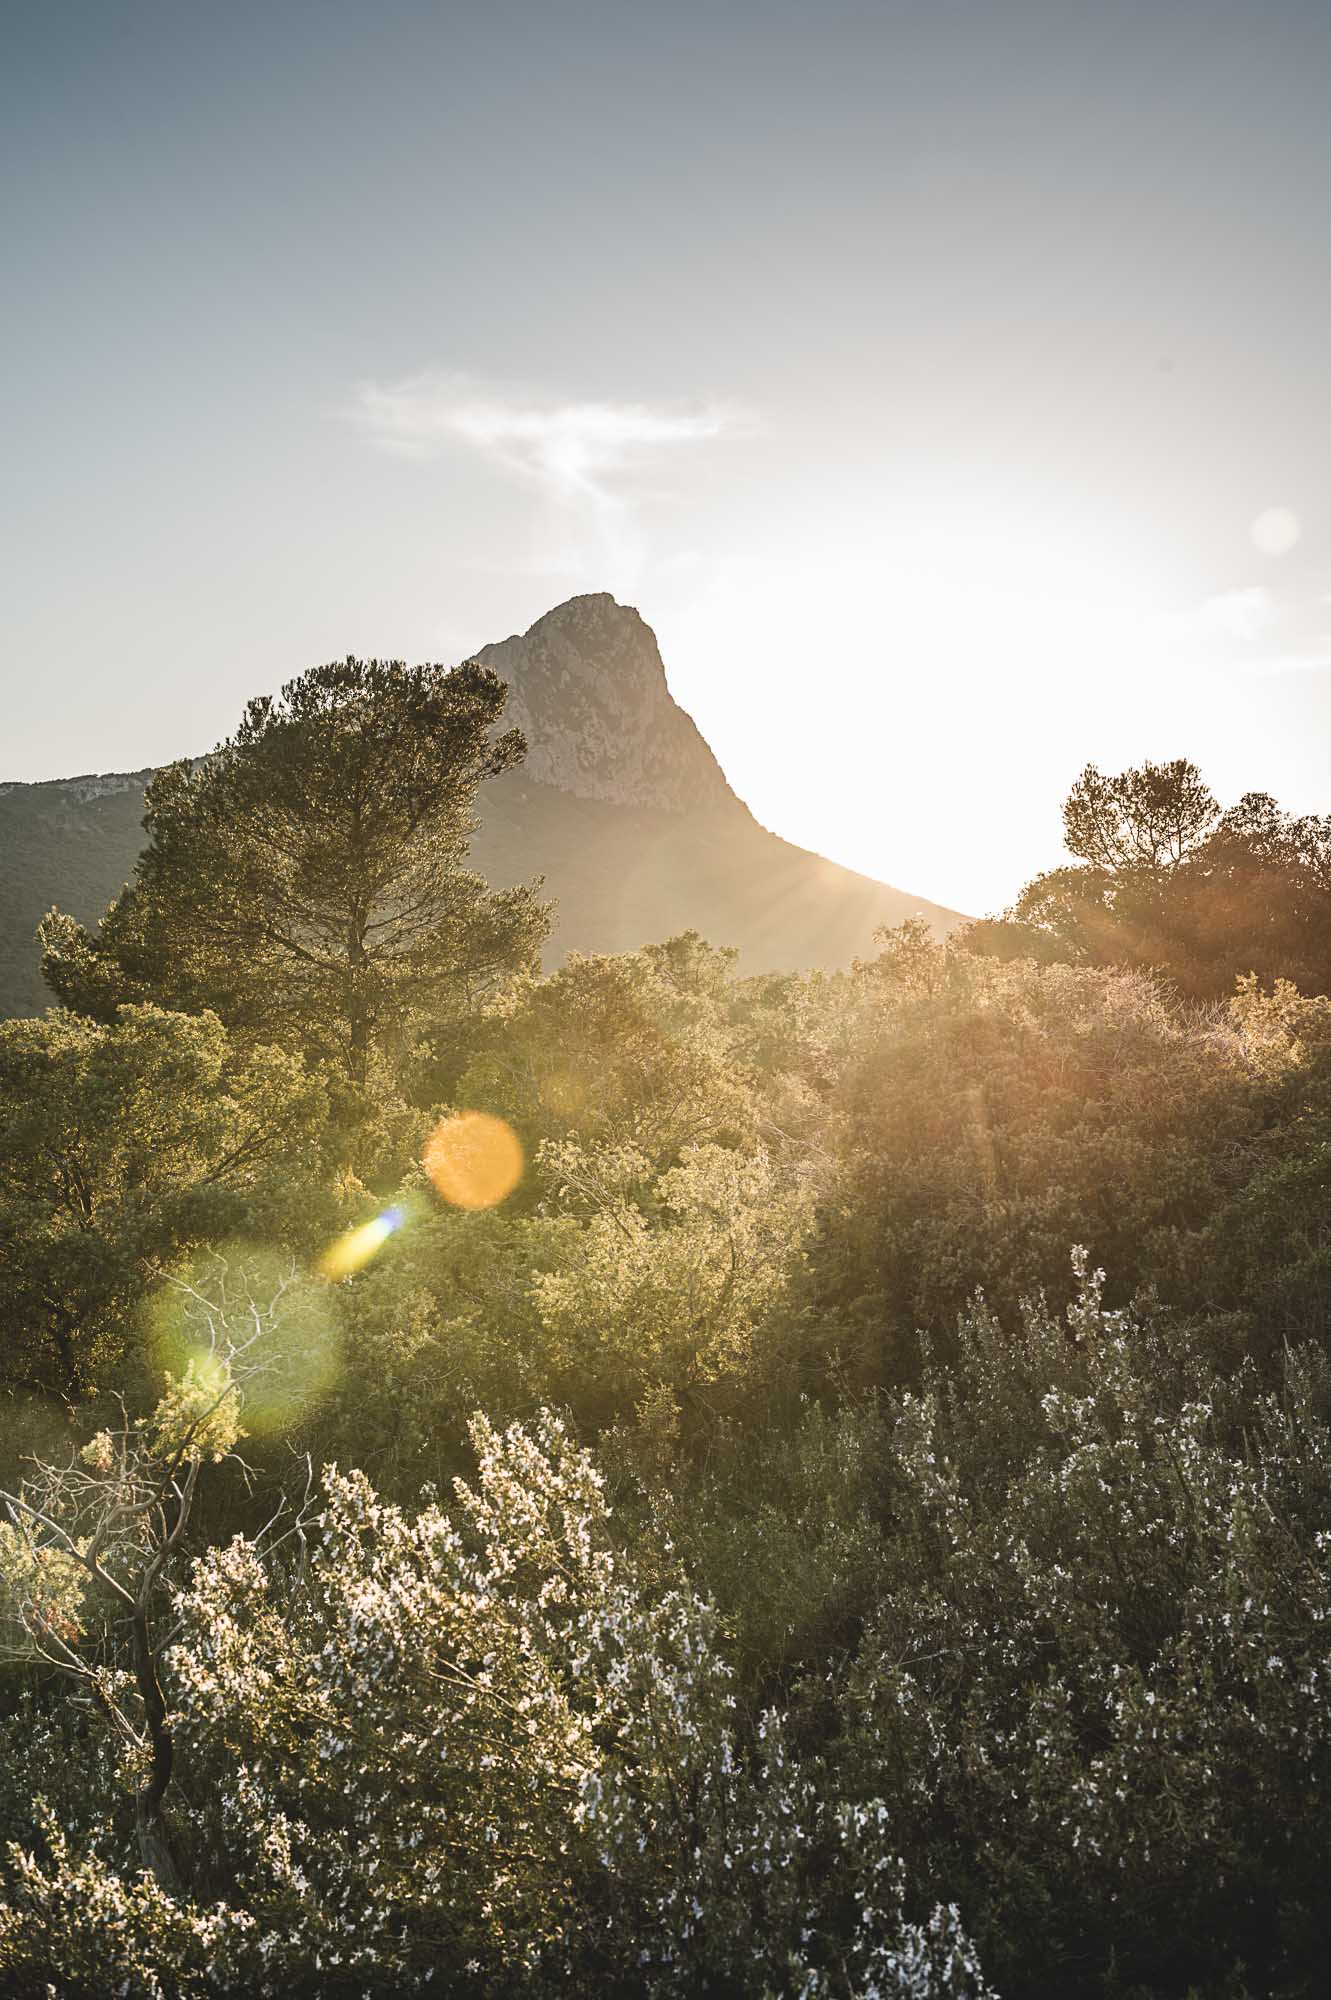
(71, 841)
(621, 806)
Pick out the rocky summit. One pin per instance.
(620, 808)
(587, 687)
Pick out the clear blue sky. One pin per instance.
(946, 383)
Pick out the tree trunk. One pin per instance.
(157, 1846)
(358, 1011)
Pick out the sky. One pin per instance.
(944, 380)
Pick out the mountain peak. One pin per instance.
(588, 689)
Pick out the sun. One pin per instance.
(927, 663)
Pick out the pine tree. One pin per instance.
(308, 881)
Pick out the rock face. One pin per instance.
(620, 808)
(588, 690)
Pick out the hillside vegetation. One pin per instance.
(649, 1477)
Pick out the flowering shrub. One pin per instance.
(41, 1591)
(1095, 1682)
(478, 1745)
(199, 1416)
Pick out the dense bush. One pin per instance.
(482, 1745)
(1163, 880)
(1094, 1683)
(120, 1147)
(988, 1114)
(1071, 1680)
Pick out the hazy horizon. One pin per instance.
(946, 388)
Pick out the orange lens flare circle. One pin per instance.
(474, 1159)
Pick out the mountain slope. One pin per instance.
(71, 841)
(621, 806)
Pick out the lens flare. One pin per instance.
(474, 1159)
(1276, 530)
(255, 1302)
(353, 1251)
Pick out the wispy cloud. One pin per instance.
(1235, 614)
(1254, 629)
(1294, 663)
(576, 451)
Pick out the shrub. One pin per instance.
(482, 1745)
(1096, 1684)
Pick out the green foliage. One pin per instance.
(1264, 1255)
(306, 881)
(75, 1920)
(121, 1146)
(624, 1290)
(443, 1324)
(785, 1518)
(632, 1051)
(41, 1592)
(199, 1416)
(989, 1114)
(675, 1302)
